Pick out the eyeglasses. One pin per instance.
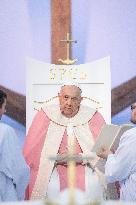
(133, 107)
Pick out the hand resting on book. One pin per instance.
(103, 152)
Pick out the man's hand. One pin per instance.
(103, 152)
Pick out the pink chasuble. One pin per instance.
(95, 125)
(34, 144)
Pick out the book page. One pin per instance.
(115, 143)
(110, 136)
(106, 137)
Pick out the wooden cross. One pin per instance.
(60, 27)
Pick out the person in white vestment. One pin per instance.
(14, 172)
(121, 165)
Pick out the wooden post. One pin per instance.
(60, 26)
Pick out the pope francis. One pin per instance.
(48, 136)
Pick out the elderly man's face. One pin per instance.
(70, 99)
(3, 108)
(133, 114)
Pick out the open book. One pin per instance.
(110, 136)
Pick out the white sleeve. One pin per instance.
(119, 165)
(7, 189)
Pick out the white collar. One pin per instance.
(82, 117)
